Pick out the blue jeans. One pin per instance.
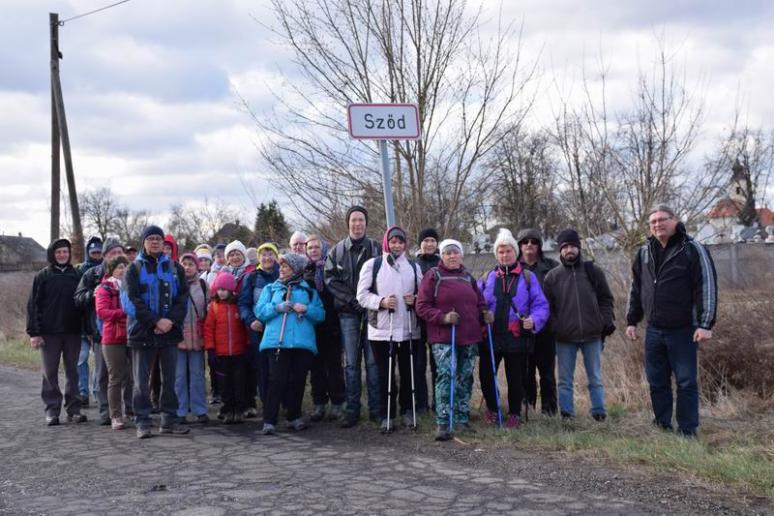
(357, 347)
(142, 359)
(673, 352)
(189, 383)
(83, 368)
(592, 361)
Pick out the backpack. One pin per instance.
(439, 278)
(163, 273)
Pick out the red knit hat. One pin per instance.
(225, 281)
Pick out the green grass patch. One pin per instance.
(18, 353)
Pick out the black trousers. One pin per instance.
(286, 382)
(64, 347)
(515, 364)
(251, 374)
(233, 383)
(542, 361)
(381, 350)
(327, 372)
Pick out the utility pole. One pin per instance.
(59, 111)
(56, 181)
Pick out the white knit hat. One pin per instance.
(450, 242)
(505, 237)
(236, 245)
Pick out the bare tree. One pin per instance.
(100, 210)
(192, 225)
(428, 53)
(130, 224)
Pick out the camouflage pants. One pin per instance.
(465, 357)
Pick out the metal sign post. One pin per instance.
(384, 122)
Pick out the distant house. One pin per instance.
(231, 231)
(21, 251)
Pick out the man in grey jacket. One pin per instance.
(581, 316)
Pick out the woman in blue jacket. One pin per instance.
(289, 308)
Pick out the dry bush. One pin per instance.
(15, 287)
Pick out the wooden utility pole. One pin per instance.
(56, 89)
(56, 181)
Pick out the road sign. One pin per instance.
(383, 121)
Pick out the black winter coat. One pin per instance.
(84, 299)
(342, 272)
(51, 309)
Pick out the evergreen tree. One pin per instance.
(270, 225)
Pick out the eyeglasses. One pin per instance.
(530, 241)
(653, 222)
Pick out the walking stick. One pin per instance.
(453, 371)
(526, 369)
(411, 353)
(389, 375)
(494, 376)
(282, 326)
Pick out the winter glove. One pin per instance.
(451, 318)
(284, 307)
(488, 316)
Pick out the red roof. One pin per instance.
(728, 208)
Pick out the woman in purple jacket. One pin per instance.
(520, 310)
(449, 296)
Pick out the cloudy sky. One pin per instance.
(149, 86)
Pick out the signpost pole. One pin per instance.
(389, 209)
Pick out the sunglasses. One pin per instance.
(530, 241)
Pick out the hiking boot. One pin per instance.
(513, 422)
(228, 419)
(442, 433)
(599, 417)
(215, 400)
(155, 409)
(318, 413)
(117, 423)
(174, 429)
(202, 419)
(85, 401)
(490, 418)
(104, 420)
(297, 424)
(386, 427)
(52, 420)
(335, 412)
(408, 420)
(79, 418)
(350, 421)
(250, 413)
(467, 428)
(144, 432)
(268, 429)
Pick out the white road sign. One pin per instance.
(383, 121)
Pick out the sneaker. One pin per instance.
(490, 418)
(350, 421)
(251, 412)
(215, 400)
(144, 432)
(174, 429)
(52, 420)
(513, 421)
(599, 417)
(386, 426)
(335, 412)
(318, 413)
(442, 433)
(467, 428)
(408, 420)
(228, 419)
(268, 429)
(297, 424)
(104, 420)
(78, 418)
(202, 419)
(117, 423)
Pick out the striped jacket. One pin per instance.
(682, 292)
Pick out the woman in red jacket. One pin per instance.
(112, 318)
(225, 333)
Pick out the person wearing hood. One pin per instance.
(94, 257)
(170, 247)
(543, 359)
(674, 287)
(54, 327)
(289, 308)
(254, 282)
(387, 288)
(93, 253)
(85, 296)
(582, 316)
(427, 258)
(520, 311)
(327, 377)
(155, 299)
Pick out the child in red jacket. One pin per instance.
(226, 335)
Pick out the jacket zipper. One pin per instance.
(577, 302)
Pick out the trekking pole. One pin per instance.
(389, 374)
(526, 368)
(411, 353)
(494, 376)
(453, 371)
(282, 326)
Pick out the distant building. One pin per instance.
(21, 251)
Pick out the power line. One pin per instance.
(61, 23)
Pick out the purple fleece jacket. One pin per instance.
(532, 302)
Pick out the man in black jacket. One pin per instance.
(342, 272)
(84, 301)
(581, 316)
(155, 300)
(543, 359)
(674, 285)
(54, 327)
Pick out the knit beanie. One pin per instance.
(268, 246)
(568, 237)
(428, 233)
(152, 230)
(225, 281)
(355, 208)
(393, 231)
(297, 262)
(505, 237)
(251, 255)
(220, 247)
(95, 245)
(203, 251)
(190, 256)
(110, 244)
(236, 245)
(450, 242)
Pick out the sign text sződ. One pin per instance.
(383, 121)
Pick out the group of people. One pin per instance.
(263, 320)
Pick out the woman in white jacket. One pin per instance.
(387, 288)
